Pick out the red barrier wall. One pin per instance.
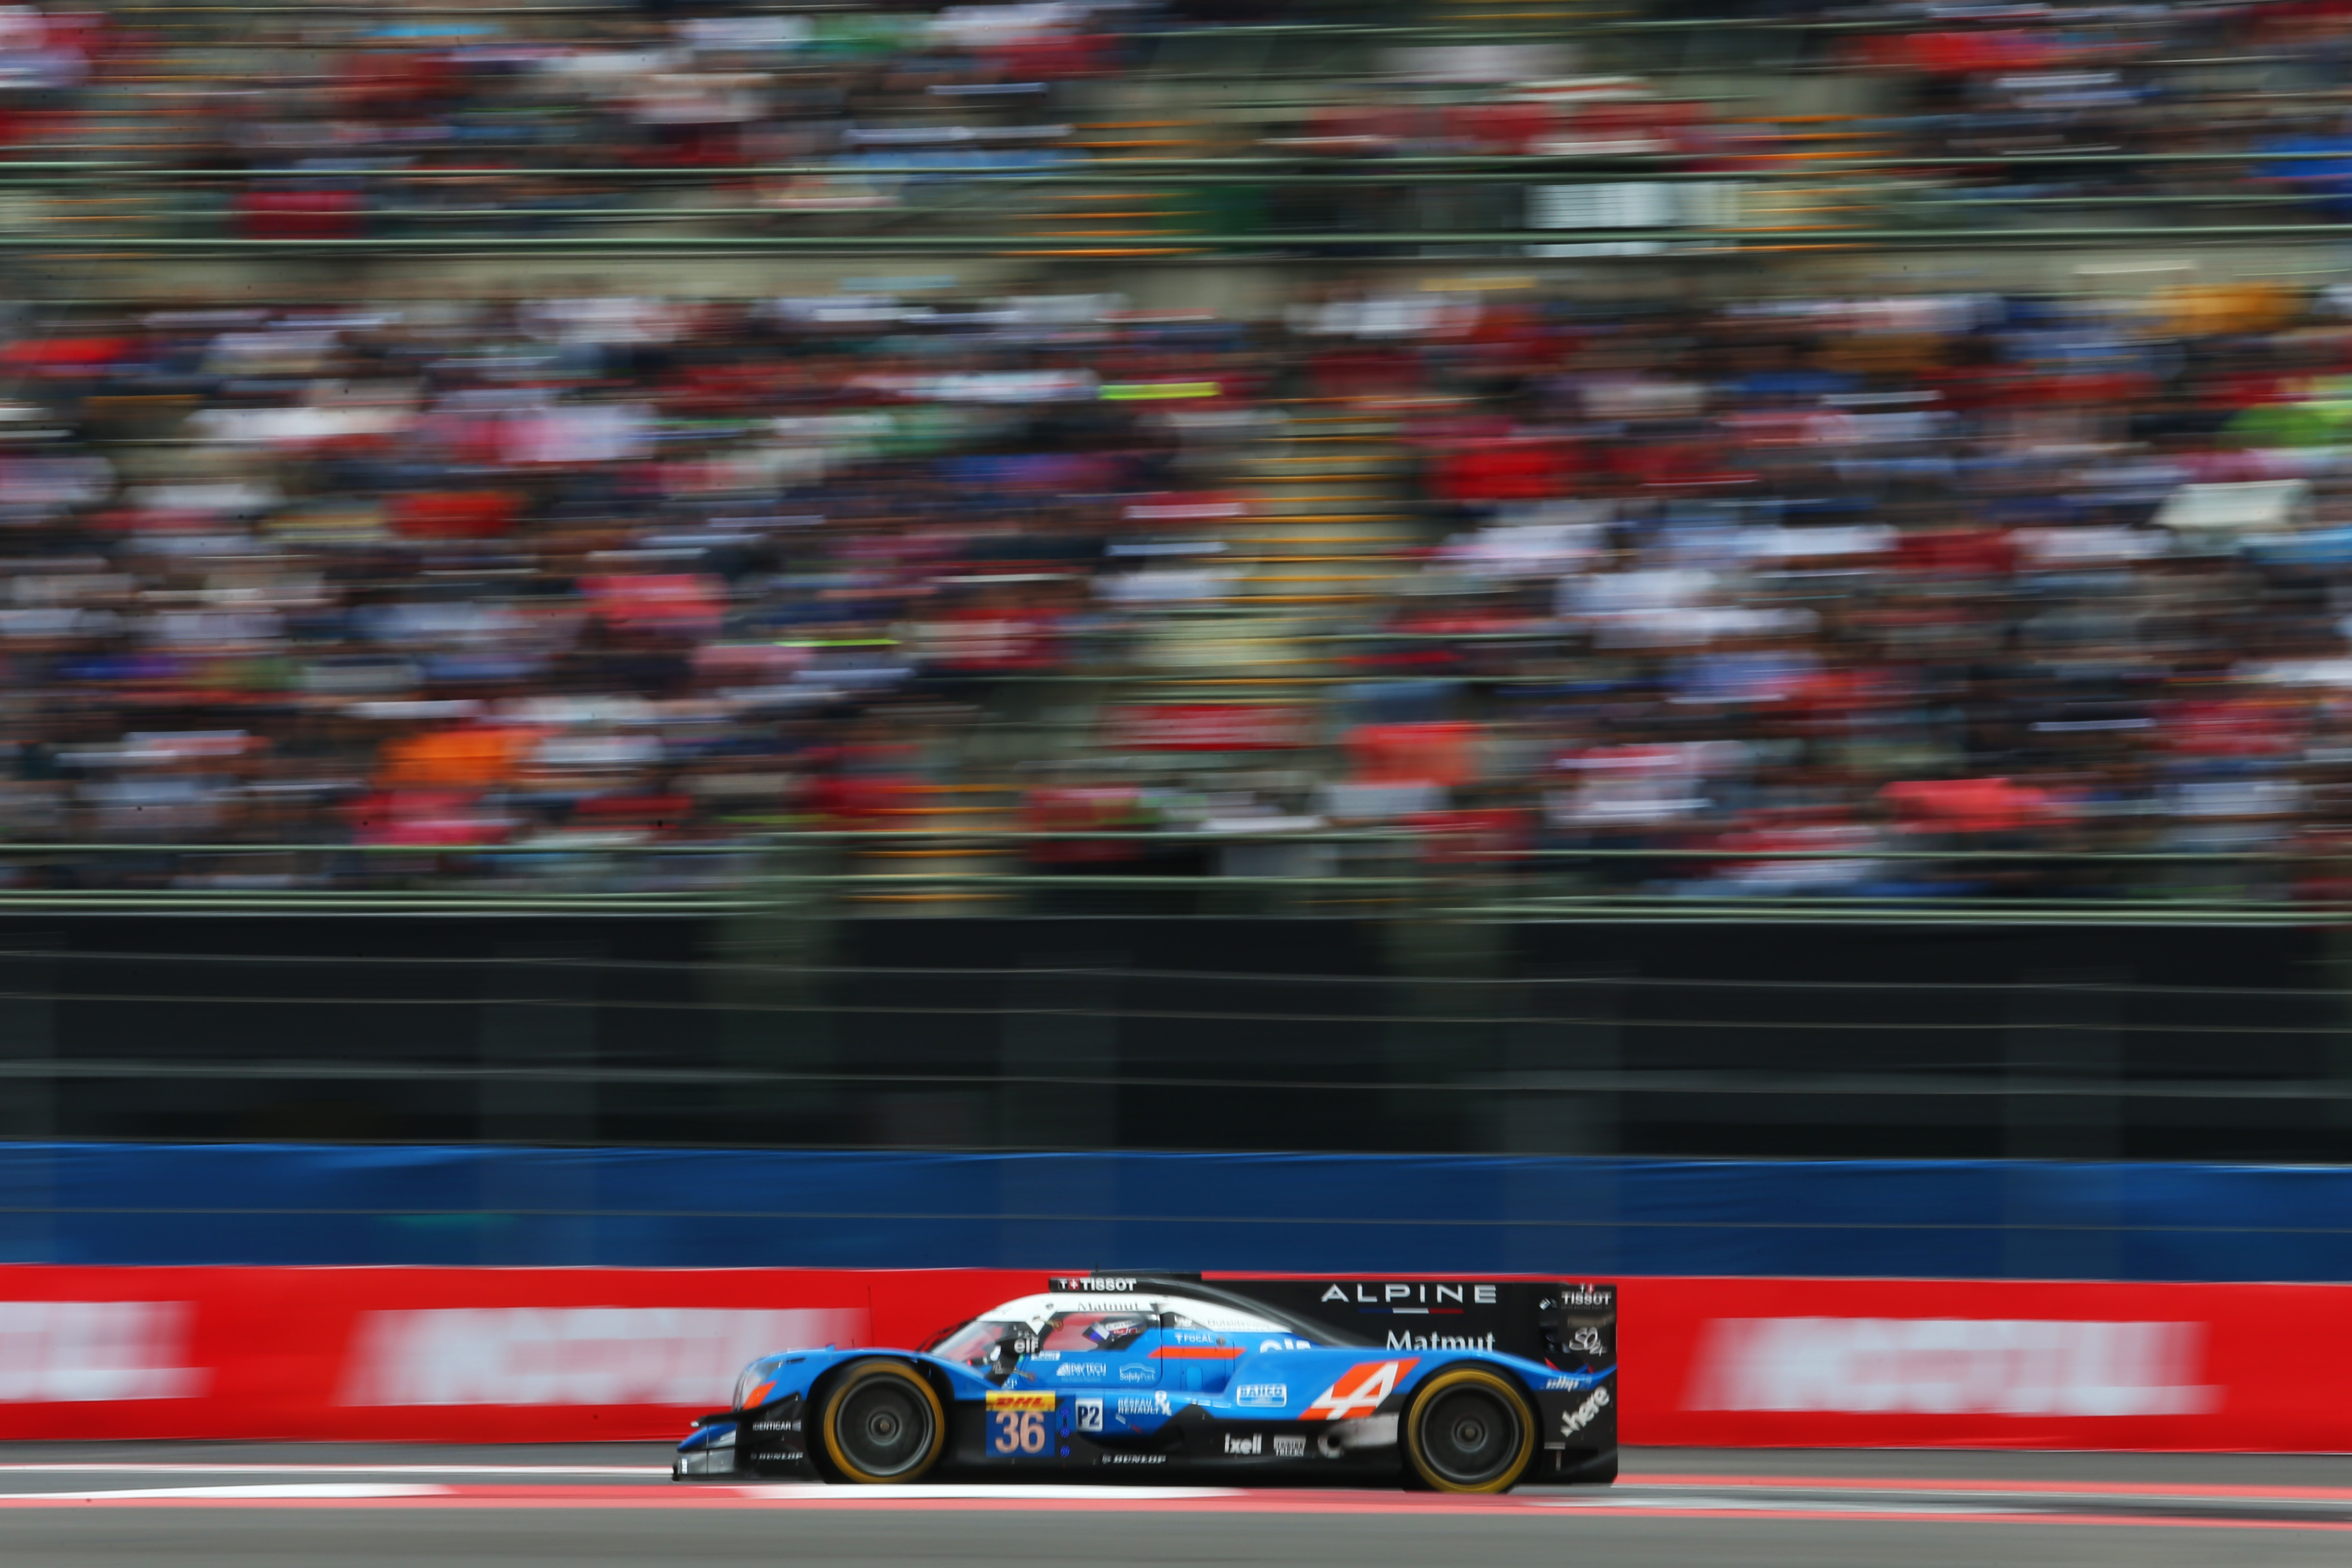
(485, 1355)
(1985, 1364)
(532, 1355)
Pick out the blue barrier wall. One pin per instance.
(280, 1204)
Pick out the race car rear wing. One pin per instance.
(1570, 1325)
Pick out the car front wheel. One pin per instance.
(1470, 1430)
(883, 1424)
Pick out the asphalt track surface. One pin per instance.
(196, 1506)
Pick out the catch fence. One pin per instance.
(1940, 1030)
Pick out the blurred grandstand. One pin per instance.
(1615, 577)
(805, 469)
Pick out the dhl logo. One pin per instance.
(1021, 1402)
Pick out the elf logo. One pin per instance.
(1358, 1391)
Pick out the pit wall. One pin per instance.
(488, 1294)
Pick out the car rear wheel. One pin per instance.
(1470, 1431)
(882, 1425)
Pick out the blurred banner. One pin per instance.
(551, 1355)
(1986, 1363)
(431, 1354)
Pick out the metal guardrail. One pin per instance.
(826, 872)
(136, 209)
(1033, 244)
(1252, 248)
(1290, 167)
(1521, 27)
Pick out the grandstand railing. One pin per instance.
(1850, 197)
(1209, 873)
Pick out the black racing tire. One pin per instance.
(1470, 1430)
(883, 1424)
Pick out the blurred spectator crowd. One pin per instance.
(1831, 576)
(1919, 573)
(1797, 593)
(455, 572)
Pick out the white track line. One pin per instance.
(983, 1493)
(178, 1469)
(1757, 1503)
(241, 1494)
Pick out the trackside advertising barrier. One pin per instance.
(1978, 1363)
(555, 1354)
(431, 1355)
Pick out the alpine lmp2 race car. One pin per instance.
(1457, 1385)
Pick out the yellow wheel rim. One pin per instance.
(1471, 1403)
(884, 1401)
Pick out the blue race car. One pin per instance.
(1459, 1385)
